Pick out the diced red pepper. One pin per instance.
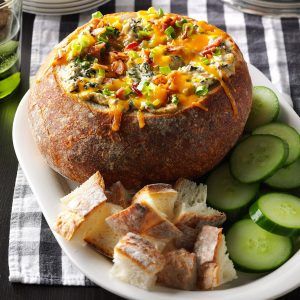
(134, 88)
(132, 46)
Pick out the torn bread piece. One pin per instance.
(188, 238)
(136, 261)
(180, 270)
(214, 265)
(159, 244)
(141, 218)
(82, 208)
(101, 237)
(191, 208)
(159, 196)
(119, 195)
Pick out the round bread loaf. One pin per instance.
(142, 97)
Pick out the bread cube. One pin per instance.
(83, 207)
(214, 265)
(141, 218)
(191, 208)
(187, 239)
(160, 197)
(119, 195)
(136, 261)
(101, 237)
(180, 271)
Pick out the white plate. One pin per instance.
(48, 187)
(58, 2)
(52, 5)
(63, 11)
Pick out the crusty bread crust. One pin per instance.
(143, 219)
(214, 264)
(76, 138)
(180, 270)
(159, 196)
(119, 195)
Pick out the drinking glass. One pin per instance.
(10, 22)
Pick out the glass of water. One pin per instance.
(10, 21)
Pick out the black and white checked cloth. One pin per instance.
(272, 45)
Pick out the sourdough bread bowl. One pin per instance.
(142, 97)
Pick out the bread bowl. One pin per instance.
(185, 135)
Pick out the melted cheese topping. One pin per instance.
(149, 61)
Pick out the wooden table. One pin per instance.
(8, 170)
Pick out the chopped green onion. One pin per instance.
(188, 28)
(151, 10)
(160, 12)
(148, 88)
(201, 90)
(181, 22)
(143, 33)
(111, 30)
(133, 54)
(97, 15)
(170, 32)
(127, 91)
(76, 46)
(103, 39)
(106, 92)
(205, 60)
(142, 84)
(84, 40)
(77, 61)
(174, 99)
(101, 73)
(149, 104)
(165, 70)
(217, 51)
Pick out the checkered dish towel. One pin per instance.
(34, 255)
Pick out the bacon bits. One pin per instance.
(96, 50)
(118, 67)
(212, 47)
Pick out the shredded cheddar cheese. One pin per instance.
(149, 61)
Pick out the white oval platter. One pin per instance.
(49, 187)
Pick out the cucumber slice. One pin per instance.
(286, 133)
(265, 108)
(278, 213)
(8, 62)
(257, 157)
(9, 84)
(256, 250)
(287, 177)
(226, 193)
(8, 48)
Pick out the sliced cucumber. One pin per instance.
(287, 177)
(9, 84)
(226, 193)
(8, 62)
(286, 133)
(256, 250)
(265, 108)
(257, 157)
(278, 213)
(8, 48)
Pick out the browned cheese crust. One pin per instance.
(77, 139)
